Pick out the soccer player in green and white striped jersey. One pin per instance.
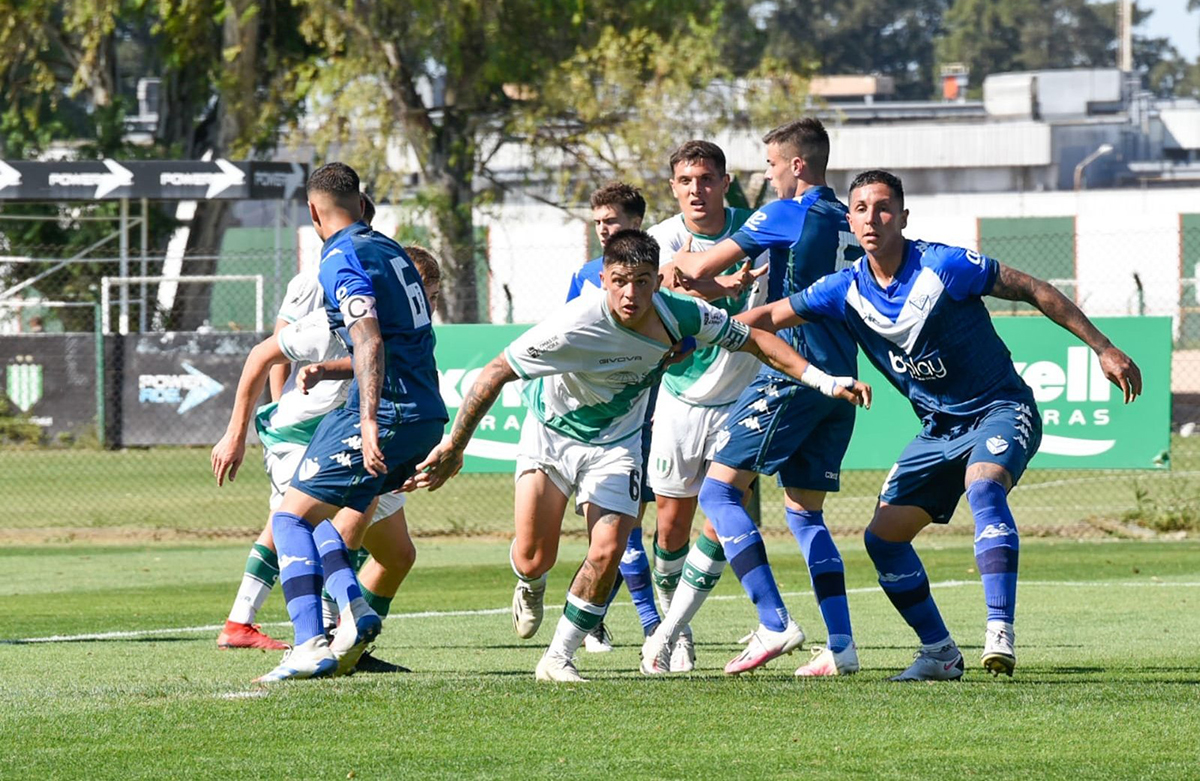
(698, 393)
(588, 368)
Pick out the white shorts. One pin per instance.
(683, 441)
(281, 463)
(608, 476)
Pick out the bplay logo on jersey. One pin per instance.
(188, 390)
(921, 371)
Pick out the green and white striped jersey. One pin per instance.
(711, 377)
(587, 376)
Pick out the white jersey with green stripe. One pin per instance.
(711, 377)
(587, 376)
(307, 339)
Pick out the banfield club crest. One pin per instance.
(23, 382)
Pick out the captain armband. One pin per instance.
(735, 336)
(355, 308)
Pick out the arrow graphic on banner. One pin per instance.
(9, 176)
(117, 176)
(204, 389)
(230, 176)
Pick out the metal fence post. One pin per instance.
(101, 423)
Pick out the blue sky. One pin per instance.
(1171, 20)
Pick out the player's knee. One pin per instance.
(400, 555)
(533, 561)
(714, 493)
(986, 493)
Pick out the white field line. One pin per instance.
(945, 584)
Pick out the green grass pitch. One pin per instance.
(1107, 684)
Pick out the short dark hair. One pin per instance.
(368, 209)
(624, 196)
(426, 263)
(877, 176)
(805, 138)
(696, 150)
(336, 179)
(631, 247)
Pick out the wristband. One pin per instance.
(825, 383)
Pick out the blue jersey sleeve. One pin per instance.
(342, 276)
(777, 224)
(824, 299)
(965, 272)
(575, 288)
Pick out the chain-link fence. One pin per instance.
(106, 430)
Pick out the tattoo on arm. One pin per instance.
(368, 364)
(479, 399)
(1013, 285)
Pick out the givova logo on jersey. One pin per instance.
(921, 371)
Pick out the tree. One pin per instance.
(889, 37)
(455, 79)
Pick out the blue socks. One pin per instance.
(904, 581)
(997, 548)
(744, 548)
(635, 569)
(340, 580)
(827, 572)
(299, 574)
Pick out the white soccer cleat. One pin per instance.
(599, 640)
(656, 653)
(527, 609)
(556, 668)
(944, 664)
(683, 655)
(359, 627)
(826, 663)
(310, 659)
(764, 645)
(998, 653)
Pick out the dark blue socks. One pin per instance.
(744, 548)
(299, 574)
(997, 548)
(904, 581)
(827, 572)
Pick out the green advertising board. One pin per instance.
(1085, 423)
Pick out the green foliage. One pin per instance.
(15, 427)
(1167, 507)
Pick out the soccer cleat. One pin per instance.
(944, 664)
(527, 608)
(367, 663)
(556, 668)
(998, 654)
(828, 663)
(350, 641)
(683, 655)
(656, 653)
(236, 635)
(310, 659)
(764, 645)
(599, 640)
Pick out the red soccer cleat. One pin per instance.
(236, 635)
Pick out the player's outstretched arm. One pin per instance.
(776, 353)
(310, 375)
(698, 265)
(368, 370)
(227, 454)
(446, 459)
(279, 372)
(772, 317)
(1119, 368)
(721, 286)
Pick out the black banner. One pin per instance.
(52, 379)
(173, 180)
(177, 388)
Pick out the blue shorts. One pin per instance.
(332, 469)
(933, 467)
(779, 426)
